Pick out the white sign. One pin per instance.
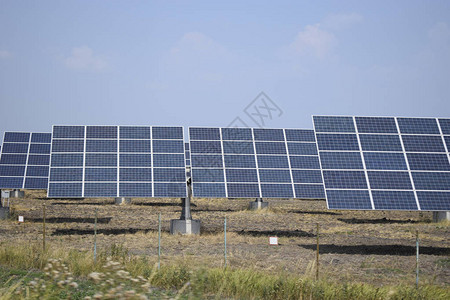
(21, 219)
(273, 240)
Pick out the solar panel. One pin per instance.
(384, 163)
(24, 161)
(117, 161)
(255, 163)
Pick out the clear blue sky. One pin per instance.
(200, 63)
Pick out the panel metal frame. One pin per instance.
(118, 167)
(404, 152)
(29, 143)
(255, 155)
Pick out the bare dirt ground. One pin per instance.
(376, 247)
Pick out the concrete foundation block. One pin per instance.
(185, 226)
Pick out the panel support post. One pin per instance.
(4, 207)
(122, 201)
(258, 204)
(185, 225)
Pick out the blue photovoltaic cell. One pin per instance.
(204, 134)
(304, 162)
(431, 180)
(67, 160)
(306, 176)
(206, 147)
(206, 161)
(241, 175)
(376, 125)
(57, 189)
(135, 160)
(300, 135)
(136, 146)
(428, 162)
(100, 189)
(169, 174)
(100, 174)
(68, 145)
(37, 171)
(133, 133)
(167, 133)
(270, 148)
(168, 160)
(393, 200)
(277, 191)
(36, 183)
(418, 126)
(209, 190)
(344, 180)
(13, 159)
(388, 180)
(135, 189)
(103, 132)
(208, 175)
(40, 148)
(237, 134)
(102, 145)
(273, 161)
(100, 160)
(38, 137)
(309, 191)
(12, 170)
(239, 161)
(370, 142)
(135, 174)
(169, 189)
(65, 132)
(397, 163)
(66, 174)
(341, 160)
(11, 182)
(302, 148)
(337, 142)
(244, 190)
(39, 160)
(333, 124)
(348, 199)
(268, 134)
(437, 201)
(445, 126)
(275, 176)
(16, 137)
(238, 147)
(14, 148)
(420, 143)
(385, 161)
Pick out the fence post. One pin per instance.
(225, 241)
(317, 254)
(159, 241)
(95, 237)
(43, 228)
(417, 258)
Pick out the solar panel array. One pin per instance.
(117, 161)
(24, 160)
(385, 163)
(255, 163)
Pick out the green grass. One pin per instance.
(25, 272)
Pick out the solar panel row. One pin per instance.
(117, 161)
(24, 161)
(255, 163)
(384, 162)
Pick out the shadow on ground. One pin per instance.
(71, 220)
(376, 249)
(380, 221)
